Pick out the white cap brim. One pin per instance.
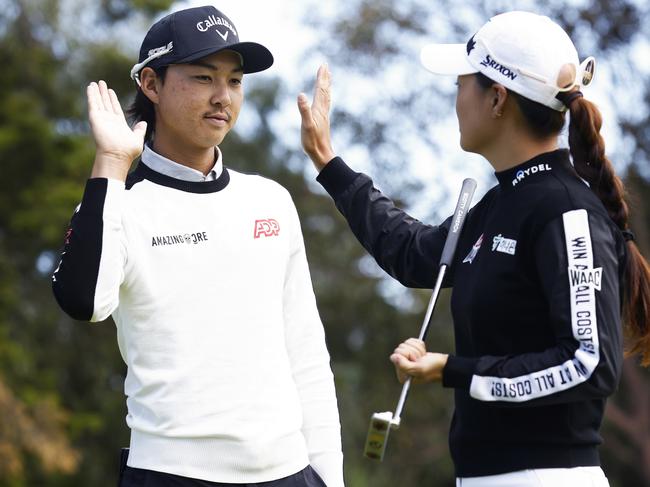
(446, 59)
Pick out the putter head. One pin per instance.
(380, 426)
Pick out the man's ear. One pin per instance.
(499, 98)
(150, 84)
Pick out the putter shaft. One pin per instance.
(381, 423)
(422, 336)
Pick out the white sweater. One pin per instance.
(228, 373)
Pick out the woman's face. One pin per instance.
(474, 110)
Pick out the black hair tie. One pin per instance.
(568, 97)
(628, 235)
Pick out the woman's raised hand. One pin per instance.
(315, 127)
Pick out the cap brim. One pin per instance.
(446, 59)
(255, 56)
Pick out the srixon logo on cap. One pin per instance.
(213, 21)
(491, 63)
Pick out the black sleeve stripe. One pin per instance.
(75, 280)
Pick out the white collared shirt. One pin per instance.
(165, 166)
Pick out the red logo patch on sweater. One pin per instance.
(266, 228)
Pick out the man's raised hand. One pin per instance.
(117, 144)
(315, 127)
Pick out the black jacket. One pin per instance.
(536, 306)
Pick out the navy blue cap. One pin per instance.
(193, 33)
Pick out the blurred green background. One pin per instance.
(61, 382)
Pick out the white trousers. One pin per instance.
(542, 477)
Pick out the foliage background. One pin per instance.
(61, 401)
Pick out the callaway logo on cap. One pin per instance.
(193, 33)
(527, 53)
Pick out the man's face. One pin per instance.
(199, 103)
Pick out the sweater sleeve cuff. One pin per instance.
(458, 372)
(336, 177)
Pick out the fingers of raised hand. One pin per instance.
(115, 103)
(102, 98)
(322, 93)
(305, 111)
(106, 98)
(94, 100)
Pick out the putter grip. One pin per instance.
(462, 207)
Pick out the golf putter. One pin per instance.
(382, 423)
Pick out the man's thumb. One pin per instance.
(140, 128)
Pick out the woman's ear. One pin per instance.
(149, 84)
(499, 97)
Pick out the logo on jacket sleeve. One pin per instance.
(586, 277)
(472, 253)
(266, 228)
(505, 245)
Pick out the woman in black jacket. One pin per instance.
(546, 267)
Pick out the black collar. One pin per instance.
(538, 167)
(142, 171)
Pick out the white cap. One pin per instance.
(523, 51)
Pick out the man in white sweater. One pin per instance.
(204, 272)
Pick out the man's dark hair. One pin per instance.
(142, 108)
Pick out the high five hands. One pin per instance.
(315, 127)
(411, 359)
(117, 144)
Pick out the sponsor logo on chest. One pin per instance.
(179, 239)
(504, 245)
(472, 253)
(267, 227)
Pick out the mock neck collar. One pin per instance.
(540, 166)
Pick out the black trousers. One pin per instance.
(138, 477)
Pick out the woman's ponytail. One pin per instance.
(587, 149)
